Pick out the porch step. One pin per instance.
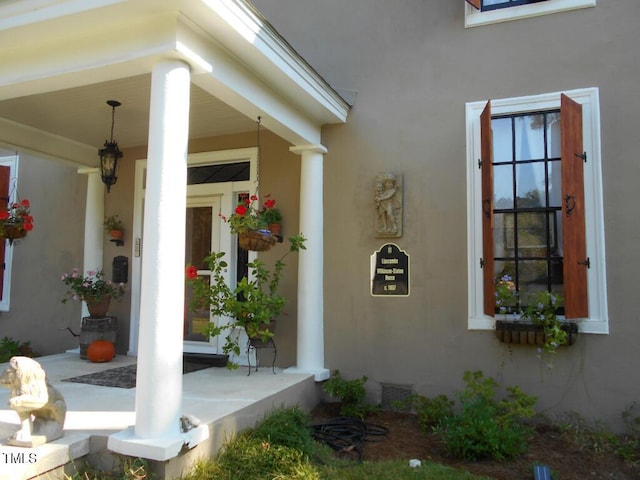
(46, 461)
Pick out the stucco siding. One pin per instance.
(413, 66)
(36, 315)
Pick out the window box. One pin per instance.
(526, 333)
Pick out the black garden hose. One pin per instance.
(346, 434)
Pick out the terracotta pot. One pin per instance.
(98, 306)
(275, 228)
(117, 234)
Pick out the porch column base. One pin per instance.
(159, 449)
(319, 374)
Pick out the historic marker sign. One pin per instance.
(389, 272)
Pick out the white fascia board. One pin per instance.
(71, 61)
(246, 34)
(223, 76)
(17, 14)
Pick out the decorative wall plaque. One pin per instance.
(388, 205)
(390, 272)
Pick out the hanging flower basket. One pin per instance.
(13, 231)
(16, 221)
(256, 240)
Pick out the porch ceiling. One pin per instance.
(62, 61)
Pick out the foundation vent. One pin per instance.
(392, 395)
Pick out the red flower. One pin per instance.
(241, 210)
(254, 198)
(270, 203)
(28, 226)
(192, 272)
(4, 215)
(25, 203)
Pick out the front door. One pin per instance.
(216, 180)
(202, 237)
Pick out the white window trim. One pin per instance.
(476, 18)
(12, 163)
(598, 321)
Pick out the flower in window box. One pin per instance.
(541, 310)
(506, 296)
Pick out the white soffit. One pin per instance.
(111, 40)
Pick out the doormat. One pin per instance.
(125, 377)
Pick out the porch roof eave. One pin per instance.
(263, 74)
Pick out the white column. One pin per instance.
(157, 433)
(93, 223)
(310, 345)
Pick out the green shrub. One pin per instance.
(484, 427)
(10, 348)
(288, 427)
(431, 412)
(351, 394)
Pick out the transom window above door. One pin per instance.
(218, 173)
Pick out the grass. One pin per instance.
(395, 469)
(281, 447)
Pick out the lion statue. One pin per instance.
(40, 406)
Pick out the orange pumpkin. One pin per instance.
(101, 351)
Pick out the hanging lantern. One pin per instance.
(110, 154)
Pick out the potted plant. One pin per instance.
(534, 324)
(272, 216)
(114, 227)
(16, 220)
(249, 223)
(253, 303)
(96, 292)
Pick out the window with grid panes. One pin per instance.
(536, 203)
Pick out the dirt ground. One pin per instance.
(404, 440)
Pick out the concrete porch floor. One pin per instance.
(224, 400)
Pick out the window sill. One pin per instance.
(475, 18)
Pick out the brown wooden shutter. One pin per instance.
(573, 222)
(475, 3)
(486, 152)
(5, 175)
